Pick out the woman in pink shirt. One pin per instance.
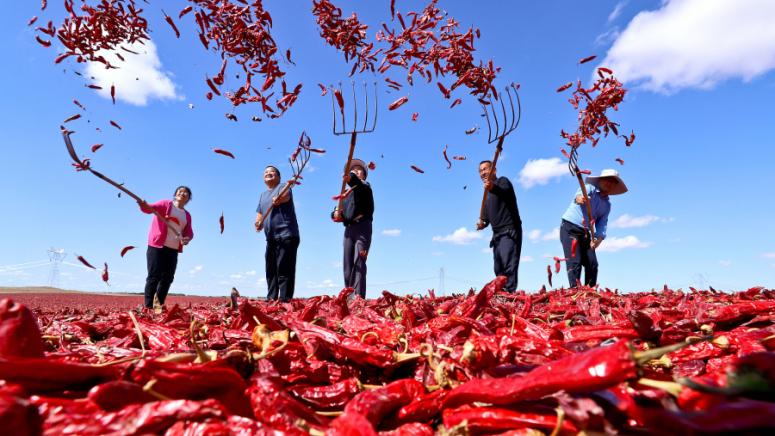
(166, 239)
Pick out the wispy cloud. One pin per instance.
(195, 270)
(461, 236)
(526, 258)
(695, 44)
(325, 284)
(137, 79)
(536, 235)
(553, 235)
(613, 244)
(392, 232)
(617, 11)
(725, 263)
(770, 255)
(628, 221)
(541, 171)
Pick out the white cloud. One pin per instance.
(196, 269)
(769, 255)
(617, 10)
(486, 250)
(695, 44)
(337, 264)
(461, 236)
(541, 171)
(526, 258)
(392, 232)
(534, 235)
(627, 221)
(607, 37)
(613, 244)
(437, 253)
(137, 79)
(251, 273)
(325, 284)
(236, 276)
(553, 235)
(725, 263)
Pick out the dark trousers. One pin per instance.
(585, 256)
(357, 240)
(281, 268)
(161, 271)
(506, 251)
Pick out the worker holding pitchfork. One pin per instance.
(357, 214)
(502, 213)
(276, 216)
(578, 246)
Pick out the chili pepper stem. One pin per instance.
(148, 388)
(672, 388)
(139, 332)
(403, 357)
(642, 357)
(333, 413)
(201, 356)
(178, 357)
(701, 387)
(117, 361)
(560, 421)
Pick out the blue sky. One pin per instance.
(701, 86)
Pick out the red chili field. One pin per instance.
(487, 362)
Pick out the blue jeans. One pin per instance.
(585, 256)
(506, 251)
(281, 268)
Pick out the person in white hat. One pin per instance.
(575, 225)
(357, 215)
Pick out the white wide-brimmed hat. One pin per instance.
(359, 163)
(620, 187)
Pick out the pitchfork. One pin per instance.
(341, 127)
(509, 118)
(297, 161)
(85, 166)
(574, 169)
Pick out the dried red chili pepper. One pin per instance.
(491, 420)
(19, 332)
(595, 369)
(330, 397)
(376, 404)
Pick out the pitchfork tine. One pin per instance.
(366, 118)
(355, 106)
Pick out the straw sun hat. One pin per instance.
(619, 188)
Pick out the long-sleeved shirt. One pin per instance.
(281, 222)
(359, 205)
(500, 209)
(157, 235)
(601, 207)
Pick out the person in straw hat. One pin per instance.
(357, 215)
(574, 225)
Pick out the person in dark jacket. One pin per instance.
(502, 214)
(282, 236)
(357, 214)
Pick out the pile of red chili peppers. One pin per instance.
(485, 362)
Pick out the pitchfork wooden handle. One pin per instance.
(590, 221)
(346, 172)
(282, 192)
(498, 149)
